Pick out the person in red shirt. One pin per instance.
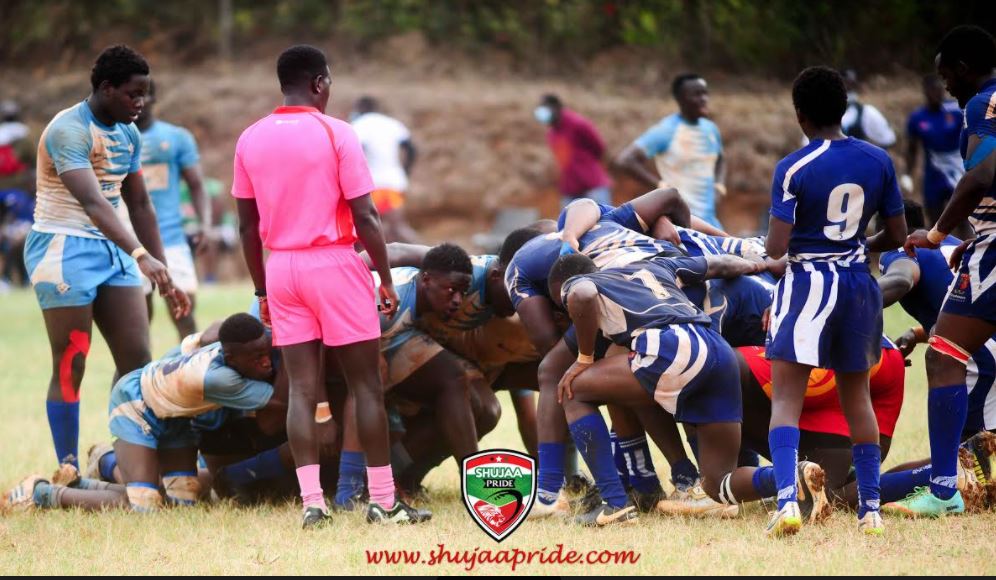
(578, 149)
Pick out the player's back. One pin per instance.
(830, 190)
(301, 166)
(644, 295)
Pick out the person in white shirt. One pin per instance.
(864, 121)
(390, 153)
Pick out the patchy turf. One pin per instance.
(222, 539)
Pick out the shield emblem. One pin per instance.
(499, 487)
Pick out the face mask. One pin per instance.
(543, 114)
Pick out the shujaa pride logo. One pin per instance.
(499, 487)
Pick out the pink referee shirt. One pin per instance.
(301, 166)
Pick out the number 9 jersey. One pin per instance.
(829, 191)
(827, 310)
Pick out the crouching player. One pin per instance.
(827, 311)
(152, 415)
(675, 359)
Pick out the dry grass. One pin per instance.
(221, 539)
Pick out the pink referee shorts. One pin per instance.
(322, 293)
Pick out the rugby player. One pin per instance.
(83, 262)
(827, 311)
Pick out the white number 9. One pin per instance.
(844, 210)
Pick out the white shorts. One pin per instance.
(181, 269)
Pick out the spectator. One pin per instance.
(17, 199)
(687, 149)
(864, 121)
(578, 150)
(387, 145)
(936, 127)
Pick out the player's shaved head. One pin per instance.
(514, 242)
(240, 328)
(448, 258)
(819, 95)
(565, 268)
(299, 65)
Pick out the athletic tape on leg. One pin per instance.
(143, 497)
(948, 348)
(182, 487)
(79, 343)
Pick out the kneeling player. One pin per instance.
(675, 359)
(152, 411)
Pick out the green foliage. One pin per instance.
(771, 36)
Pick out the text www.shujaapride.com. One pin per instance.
(511, 558)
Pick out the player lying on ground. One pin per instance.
(153, 412)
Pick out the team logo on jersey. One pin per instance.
(499, 487)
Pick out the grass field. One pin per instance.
(221, 539)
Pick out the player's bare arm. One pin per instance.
(367, 222)
(902, 276)
(194, 176)
(966, 197)
(582, 305)
(633, 161)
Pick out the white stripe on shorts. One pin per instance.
(810, 324)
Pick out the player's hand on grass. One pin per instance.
(178, 303)
(918, 239)
(566, 386)
(955, 262)
(388, 300)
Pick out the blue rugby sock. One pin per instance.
(896, 486)
(684, 474)
(591, 436)
(107, 463)
(867, 459)
(266, 465)
(620, 459)
(551, 471)
(352, 471)
(639, 464)
(784, 445)
(64, 422)
(764, 482)
(947, 409)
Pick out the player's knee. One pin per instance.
(944, 357)
(143, 497)
(70, 364)
(549, 373)
(182, 488)
(487, 413)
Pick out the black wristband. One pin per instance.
(260, 293)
